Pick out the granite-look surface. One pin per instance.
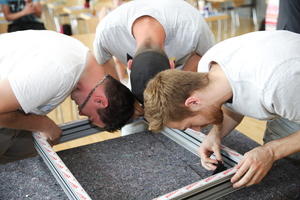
(139, 166)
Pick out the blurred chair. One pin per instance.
(92, 18)
(232, 6)
(56, 12)
(241, 4)
(3, 26)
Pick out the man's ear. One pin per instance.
(193, 103)
(172, 64)
(101, 101)
(129, 64)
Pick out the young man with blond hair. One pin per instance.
(237, 77)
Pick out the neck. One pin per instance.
(91, 75)
(218, 83)
(146, 29)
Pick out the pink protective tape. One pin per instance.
(64, 171)
(205, 181)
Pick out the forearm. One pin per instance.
(110, 68)
(285, 146)
(103, 13)
(30, 122)
(31, 8)
(38, 9)
(192, 63)
(14, 16)
(230, 121)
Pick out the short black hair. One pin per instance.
(144, 67)
(120, 105)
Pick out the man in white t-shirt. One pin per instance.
(38, 71)
(151, 36)
(237, 77)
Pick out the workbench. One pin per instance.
(142, 166)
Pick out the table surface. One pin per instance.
(138, 166)
(215, 17)
(56, 5)
(211, 17)
(2, 16)
(73, 10)
(220, 1)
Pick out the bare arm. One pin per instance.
(38, 9)
(103, 12)
(192, 63)
(256, 163)
(12, 117)
(110, 68)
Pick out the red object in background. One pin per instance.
(87, 4)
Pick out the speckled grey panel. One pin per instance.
(29, 179)
(140, 166)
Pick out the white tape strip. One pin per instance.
(231, 153)
(197, 185)
(61, 168)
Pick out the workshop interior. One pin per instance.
(90, 163)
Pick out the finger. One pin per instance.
(209, 164)
(245, 180)
(218, 155)
(206, 161)
(56, 141)
(242, 176)
(50, 142)
(257, 176)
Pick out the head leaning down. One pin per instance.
(166, 94)
(120, 105)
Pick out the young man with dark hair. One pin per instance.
(38, 71)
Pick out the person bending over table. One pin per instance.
(237, 77)
(149, 36)
(38, 71)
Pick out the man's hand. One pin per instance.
(253, 167)
(31, 122)
(51, 132)
(192, 63)
(138, 110)
(210, 145)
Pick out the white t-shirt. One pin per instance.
(186, 30)
(263, 69)
(43, 67)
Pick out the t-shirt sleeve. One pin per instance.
(282, 96)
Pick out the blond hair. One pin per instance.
(166, 93)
